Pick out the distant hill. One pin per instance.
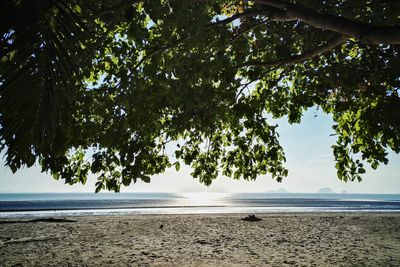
(325, 190)
(279, 191)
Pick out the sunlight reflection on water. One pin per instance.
(203, 199)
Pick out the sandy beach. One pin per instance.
(314, 239)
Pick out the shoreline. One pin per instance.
(190, 211)
(59, 213)
(279, 239)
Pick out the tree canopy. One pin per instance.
(108, 87)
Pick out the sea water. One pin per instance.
(77, 204)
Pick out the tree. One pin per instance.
(108, 87)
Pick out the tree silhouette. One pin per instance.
(112, 87)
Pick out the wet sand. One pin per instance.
(314, 239)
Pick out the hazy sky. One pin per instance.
(309, 160)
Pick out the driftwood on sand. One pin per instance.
(251, 218)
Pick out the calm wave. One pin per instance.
(17, 205)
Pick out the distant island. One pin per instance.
(279, 191)
(325, 190)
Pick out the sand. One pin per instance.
(315, 239)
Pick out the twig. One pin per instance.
(299, 58)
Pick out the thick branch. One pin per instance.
(302, 57)
(366, 33)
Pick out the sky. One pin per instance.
(309, 160)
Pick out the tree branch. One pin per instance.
(366, 33)
(300, 58)
(244, 30)
(207, 27)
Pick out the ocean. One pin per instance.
(82, 204)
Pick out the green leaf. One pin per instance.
(99, 187)
(177, 166)
(145, 179)
(374, 165)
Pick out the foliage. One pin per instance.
(110, 87)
